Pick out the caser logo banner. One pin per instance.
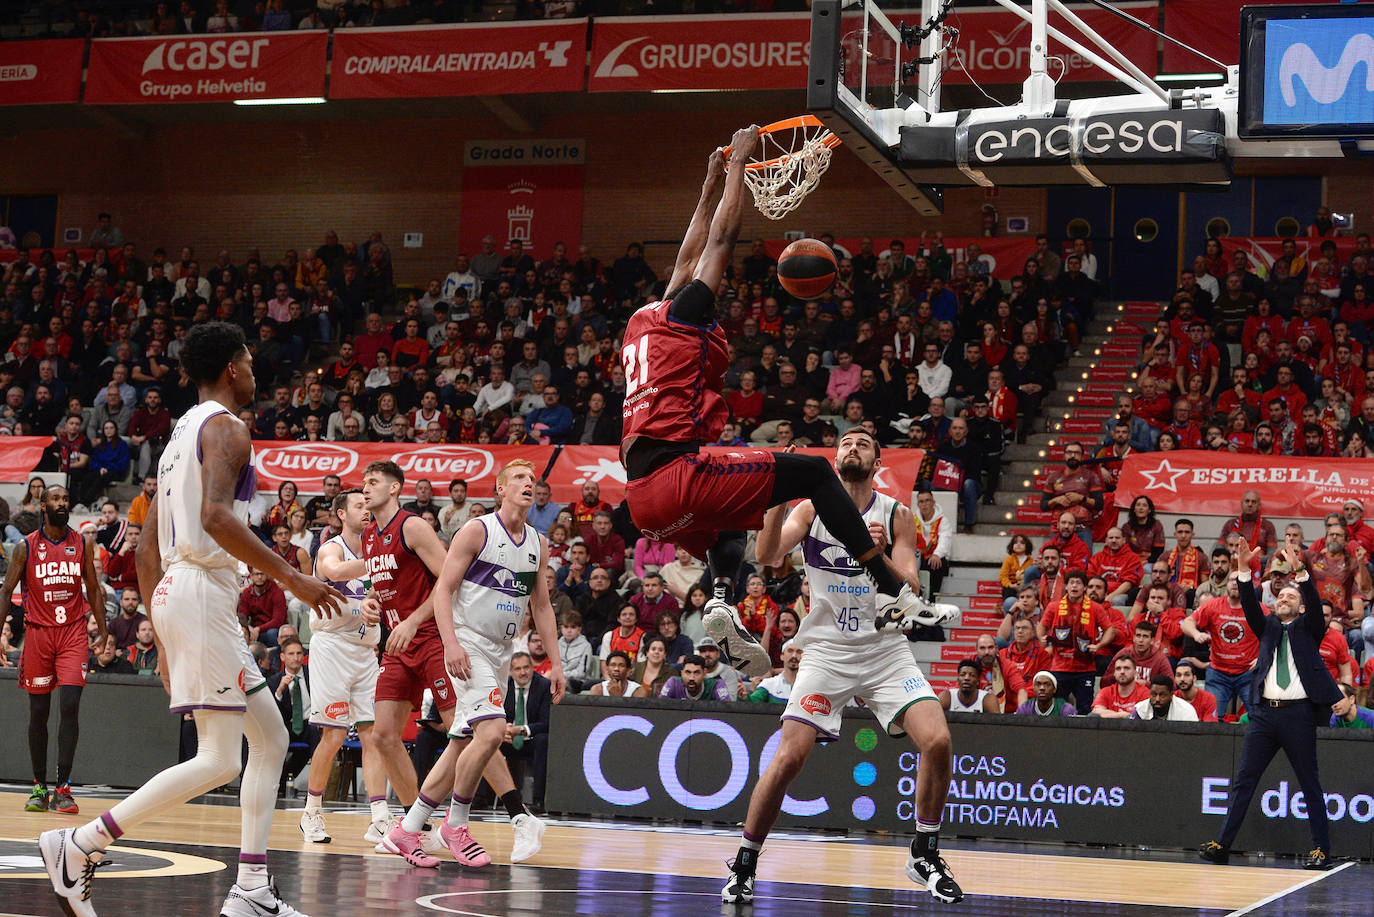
(181, 69)
(698, 52)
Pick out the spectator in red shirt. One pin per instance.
(1334, 649)
(1220, 623)
(757, 611)
(1074, 551)
(1159, 576)
(1097, 591)
(375, 338)
(119, 565)
(1119, 565)
(1149, 659)
(1024, 654)
(1257, 531)
(586, 507)
(1117, 701)
(1152, 404)
(1287, 389)
(1187, 564)
(1198, 356)
(1075, 629)
(1004, 682)
(1355, 527)
(1187, 434)
(262, 609)
(1167, 619)
(1185, 685)
(653, 601)
(149, 429)
(606, 548)
(1049, 581)
(1075, 488)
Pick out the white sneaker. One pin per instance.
(529, 837)
(260, 902)
(378, 830)
(739, 889)
(70, 869)
(736, 644)
(312, 826)
(907, 609)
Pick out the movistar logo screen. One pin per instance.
(1319, 71)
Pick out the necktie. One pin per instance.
(519, 740)
(1281, 661)
(297, 707)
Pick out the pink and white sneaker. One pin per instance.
(408, 845)
(463, 846)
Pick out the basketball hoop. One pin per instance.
(793, 155)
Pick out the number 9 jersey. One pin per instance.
(673, 375)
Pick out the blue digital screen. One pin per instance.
(1319, 71)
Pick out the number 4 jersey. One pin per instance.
(843, 607)
(673, 373)
(54, 593)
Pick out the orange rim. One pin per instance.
(800, 122)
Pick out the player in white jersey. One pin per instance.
(850, 651)
(488, 579)
(197, 530)
(343, 667)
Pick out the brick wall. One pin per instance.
(281, 185)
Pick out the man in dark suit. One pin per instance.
(1291, 692)
(529, 701)
(291, 689)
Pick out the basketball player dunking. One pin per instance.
(55, 563)
(844, 656)
(489, 578)
(197, 532)
(675, 358)
(404, 557)
(343, 667)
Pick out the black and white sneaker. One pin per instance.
(933, 872)
(259, 902)
(70, 869)
(739, 889)
(905, 610)
(723, 625)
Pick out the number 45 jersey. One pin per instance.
(490, 602)
(673, 376)
(843, 607)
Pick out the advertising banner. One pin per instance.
(19, 456)
(207, 68)
(637, 53)
(461, 60)
(538, 201)
(1211, 26)
(1004, 257)
(1084, 781)
(45, 72)
(1289, 486)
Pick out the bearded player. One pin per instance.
(343, 667)
(489, 578)
(55, 563)
(845, 656)
(404, 557)
(674, 356)
(197, 531)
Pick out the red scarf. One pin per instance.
(1184, 566)
(1258, 530)
(1074, 629)
(926, 547)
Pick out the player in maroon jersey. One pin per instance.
(674, 354)
(56, 564)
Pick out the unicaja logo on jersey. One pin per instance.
(829, 558)
(1325, 84)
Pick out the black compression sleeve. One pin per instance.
(695, 304)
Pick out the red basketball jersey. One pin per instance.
(54, 593)
(401, 579)
(673, 373)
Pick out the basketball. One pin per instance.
(807, 268)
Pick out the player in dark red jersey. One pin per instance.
(674, 354)
(56, 564)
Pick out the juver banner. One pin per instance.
(207, 68)
(1200, 482)
(463, 60)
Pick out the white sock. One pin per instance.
(750, 844)
(314, 802)
(267, 741)
(380, 810)
(419, 813)
(252, 875)
(459, 810)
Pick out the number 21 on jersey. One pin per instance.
(635, 357)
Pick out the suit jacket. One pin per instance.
(284, 702)
(1304, 641)
(538, 704)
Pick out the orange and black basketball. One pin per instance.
(807, 268)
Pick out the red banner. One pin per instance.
(1196, 482)
(1263, 251)
(307, 464)
(40, 72)
(207, 68)
(635, 53)
(537, 204)
(466, 60)
(1210, 26)
(1004, 257)
(19, 455)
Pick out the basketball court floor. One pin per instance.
(176, 865)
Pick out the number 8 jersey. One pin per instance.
(490, 602)
(843, 607)
(673, 375)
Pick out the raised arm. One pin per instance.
(777, 538)
(695, 240)
(1249, 601)
(1312, 616)
(720, 244)
(330, 565)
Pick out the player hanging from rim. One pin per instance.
(343, 667)
(404, 557)
(55, 562)
(845, 656)
(487, 581)
(675, 357)
(197, 530)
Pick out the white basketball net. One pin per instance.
(787, 168)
